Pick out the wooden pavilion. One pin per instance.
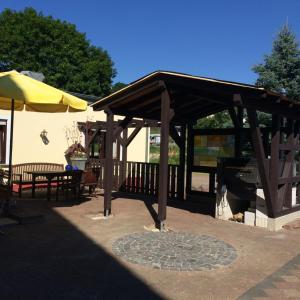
(177, 100)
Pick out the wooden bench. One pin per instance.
(22, 180)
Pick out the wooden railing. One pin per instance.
(139, 178)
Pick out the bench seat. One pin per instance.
(22, 180)
(27, 186)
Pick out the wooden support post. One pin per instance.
(189, 159)
(124, 160)
(274, 162)
(181, 170)
(11, 142)
(108, 167)
(163, 166)
(261, 160)
(238, 123)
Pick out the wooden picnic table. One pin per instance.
(61, 177)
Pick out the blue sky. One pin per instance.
(220, 39)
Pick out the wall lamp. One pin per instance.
(44, 137)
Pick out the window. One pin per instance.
(3, 133)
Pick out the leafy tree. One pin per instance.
(117, 86)
(280, 70)
(218, 120)
(32, 41)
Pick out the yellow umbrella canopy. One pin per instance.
(18, 91)
(35, 95)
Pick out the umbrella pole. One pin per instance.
(11, 141)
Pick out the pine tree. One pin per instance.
(280, 70)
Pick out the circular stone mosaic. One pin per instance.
(176, 251)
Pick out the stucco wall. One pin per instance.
(28, 145)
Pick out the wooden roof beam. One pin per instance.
(127, 97)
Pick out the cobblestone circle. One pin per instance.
(175, 251)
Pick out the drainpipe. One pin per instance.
(147, 152)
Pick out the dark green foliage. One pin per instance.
(118, 86)
(218, 120)
(31, 41)
(280, 70)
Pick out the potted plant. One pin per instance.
(76, 156)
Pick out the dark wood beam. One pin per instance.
(122, 125)
(144, 104)
(163, 164)
(133, 134)
(234, 117)
(181, 170)
(174, 135)
(261, 160)
(189, 157)
(108, 167)
(124, 160)
(126, 96)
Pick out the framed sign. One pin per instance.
(207, 149)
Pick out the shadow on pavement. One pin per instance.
(54, 260)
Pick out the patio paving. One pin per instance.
(174, 251)
(70, 256)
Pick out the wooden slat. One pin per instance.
(143, 175)
(138, 177)
(152, 178)
(156, 179)
(129, 177)
(133, 178)
(147, 181)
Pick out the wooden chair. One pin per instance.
(89, 179)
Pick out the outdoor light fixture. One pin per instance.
(44, 137)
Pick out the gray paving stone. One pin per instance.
(175, 251)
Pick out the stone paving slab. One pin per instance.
(69, 256)
(282, 284)
(175, 251)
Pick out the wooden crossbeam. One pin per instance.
(140, 92)
(284, 180)
(133, 134)
(90, 140)
(122, 125)
(289, 147)
(175, 136)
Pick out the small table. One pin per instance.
(50, 175)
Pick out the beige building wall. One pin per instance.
(28, 145)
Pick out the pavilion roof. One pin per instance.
(193, 97)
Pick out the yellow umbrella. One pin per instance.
(18, 91)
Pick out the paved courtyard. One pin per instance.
(174, 251)
(75, 254)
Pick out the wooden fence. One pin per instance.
(139, 178)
